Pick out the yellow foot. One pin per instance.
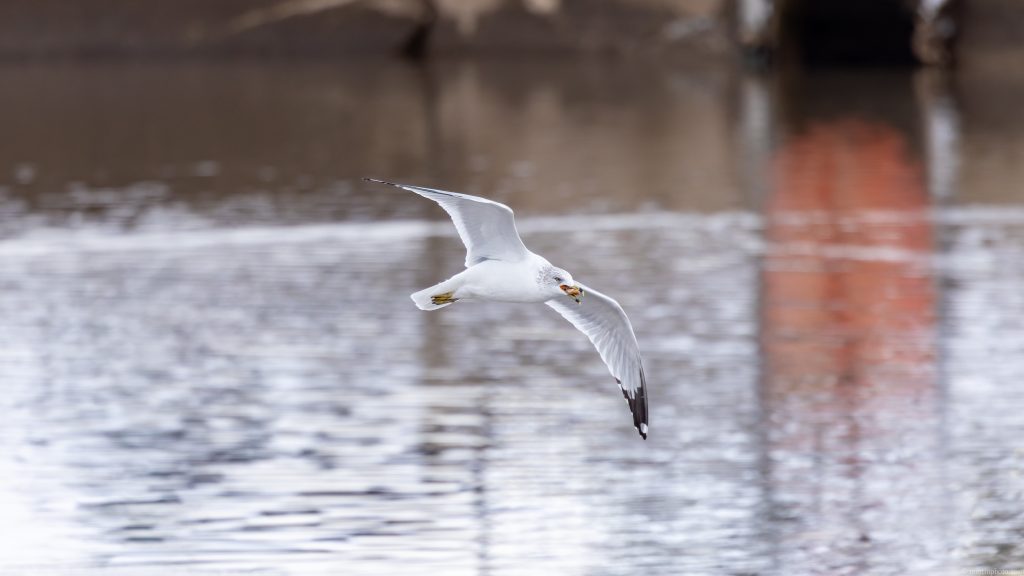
(444, 298)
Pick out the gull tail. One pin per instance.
(437, 296)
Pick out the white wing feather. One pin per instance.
(603, 321)
(487, 228)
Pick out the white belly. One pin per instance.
(499, 281)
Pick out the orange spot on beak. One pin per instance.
(572, 291)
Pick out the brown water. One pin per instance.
(210, 364)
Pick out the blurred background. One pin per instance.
(812, 211)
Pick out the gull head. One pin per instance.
(559, 282)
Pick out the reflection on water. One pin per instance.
(211, 365)
(848, 335)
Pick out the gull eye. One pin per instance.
(558, 279)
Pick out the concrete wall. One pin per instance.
(333, 27)
(987, 32)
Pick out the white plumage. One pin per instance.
(500, 268)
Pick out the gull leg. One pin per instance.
(443, 298)
(439, 295)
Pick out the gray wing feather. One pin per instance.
(605, 323)
(487, 228)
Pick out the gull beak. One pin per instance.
(574, 292)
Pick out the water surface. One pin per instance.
(210, 364)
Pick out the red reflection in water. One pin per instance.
(846, 284)
(853, 425)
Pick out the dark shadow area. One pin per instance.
(863, 33)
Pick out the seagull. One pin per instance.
(499, 268)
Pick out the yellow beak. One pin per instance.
(573, 292)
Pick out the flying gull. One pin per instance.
(499, 268)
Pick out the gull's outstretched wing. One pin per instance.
(603, 321)
(488, 229)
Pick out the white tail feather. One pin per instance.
(424, 298)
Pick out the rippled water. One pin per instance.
(210, 364)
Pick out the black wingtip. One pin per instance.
(417, 189)
(638, 406)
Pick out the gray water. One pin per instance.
(210, 364)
